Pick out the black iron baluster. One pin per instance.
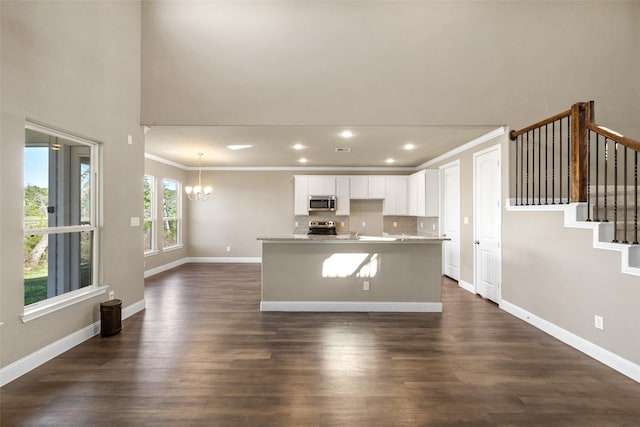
(588, 175)
(568, 159)
(516, 159)
(615, 191)
(635, 185)
(560, 163)
(596, 205)
(624, 216)
(527, 173)
(539, 166)
(521, 168)
(606, 167)
(546, 164)
(533, 166)
(553, 163)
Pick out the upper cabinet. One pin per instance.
(367, 187)
(414, 195)
(423, 193)
(342, 196)
(321, 185)
(301, 195)
(395, 200)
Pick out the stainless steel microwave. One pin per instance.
(322, 203)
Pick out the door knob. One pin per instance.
(477, 242)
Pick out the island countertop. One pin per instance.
(354, 239)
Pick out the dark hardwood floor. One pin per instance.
(203, 354)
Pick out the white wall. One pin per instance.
(388, 62)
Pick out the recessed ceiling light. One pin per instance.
(346, 133)
(390, 160)
(409, 146)
(239, 146)
(303, 160)
(298, 146)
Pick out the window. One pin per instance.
(149, 213)
(60, 232)
(171, 212)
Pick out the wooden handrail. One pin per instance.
(614, 136)
(516, 133)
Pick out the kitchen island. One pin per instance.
(348, 273)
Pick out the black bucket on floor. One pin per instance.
(110, 317)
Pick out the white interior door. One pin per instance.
(487, 223)
(450, 178)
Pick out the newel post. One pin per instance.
(580, 116)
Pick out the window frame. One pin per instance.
(153, 215)
(55, 303)
(177, 218)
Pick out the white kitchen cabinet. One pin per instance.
(416, 194)
(301, 195)
(395, 200)
(321, 185)
(377, 187)
(343, 195)
(432, 193)
(367, 187)
(359, 187)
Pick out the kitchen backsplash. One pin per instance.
(400, 225)
(302, 221)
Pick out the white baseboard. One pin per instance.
(221, 259)
(43, 355)
(165, 267)
(467, 286)
(600, 354)
(360, 306)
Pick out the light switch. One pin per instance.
(129, 139)
(135, 221)
(466, 220)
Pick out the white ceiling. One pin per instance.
(272, 146)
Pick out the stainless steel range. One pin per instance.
(322, 227)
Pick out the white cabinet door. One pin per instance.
(395, 201)
(432, 202)
(320, 185)
(301, 195)
(421, 198)
(342, 196)
(377, 187)
(412, 195)
(416, 194)
(359, 187)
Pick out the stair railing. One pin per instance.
(567, 157)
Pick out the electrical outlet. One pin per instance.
(365, 285)
(598, 322)
(228, 248)
(433, 226)
(296, 223)
(364, 224)
(395, 224)
(421, 224)
(112, 295)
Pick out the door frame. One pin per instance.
(498, 148)
(455, 163)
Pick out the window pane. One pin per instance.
(57, 181)
(148, 236)
(148, 197)
(56, 263)
(169, 233)
(170, 198)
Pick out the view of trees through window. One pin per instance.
(149, 207)
(170, 212)
(58, 229)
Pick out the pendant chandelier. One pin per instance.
(198, 192)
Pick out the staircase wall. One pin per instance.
(554, 273)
